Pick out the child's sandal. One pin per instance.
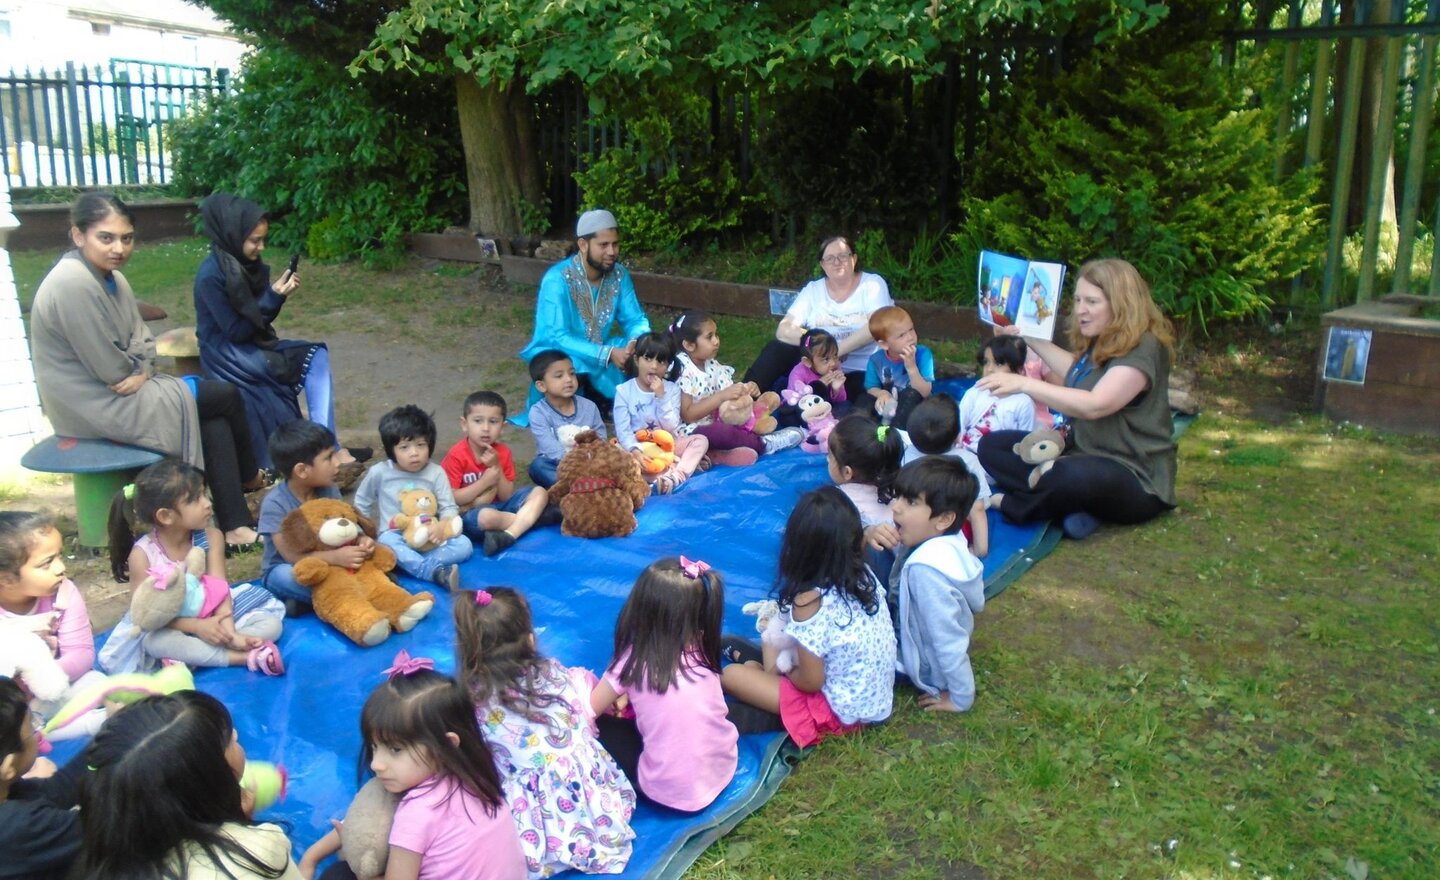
(265, 658)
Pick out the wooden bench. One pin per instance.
(100, 468)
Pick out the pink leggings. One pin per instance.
(688, 452)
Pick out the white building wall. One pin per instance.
(21, 423)
(47, 33)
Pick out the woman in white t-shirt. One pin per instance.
(839, 302)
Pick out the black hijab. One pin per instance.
(229, 220)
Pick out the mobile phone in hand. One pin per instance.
(294, 263)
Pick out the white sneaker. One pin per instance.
(782, 439)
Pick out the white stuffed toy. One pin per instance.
(566, 434)
(24, 655)
(770, 624)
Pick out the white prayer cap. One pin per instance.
(592, 222)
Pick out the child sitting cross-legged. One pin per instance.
(535, 715)
(660, 709)
(553, 373)
(937, 584)
(481, 471)
(303, 452)
(408, 433)
(899, 373)
(216, 626)
(844, 672)
(650, 400)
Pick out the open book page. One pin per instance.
(1012, 290)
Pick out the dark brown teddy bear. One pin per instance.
(599, 488)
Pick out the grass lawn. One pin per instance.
(1245, 688)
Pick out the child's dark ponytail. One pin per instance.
(168, 483)
(686, 327)
(122, 528)
(872, 451)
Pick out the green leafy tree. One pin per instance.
(500, 51)
(348, 167)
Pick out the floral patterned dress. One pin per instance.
(571, 804)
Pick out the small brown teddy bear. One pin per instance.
(363, 604)
(755, 416)
(417, 511)
(599, 488)
(1040, 447)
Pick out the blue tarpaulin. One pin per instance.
(308, 720)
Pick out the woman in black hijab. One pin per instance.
(235, 309)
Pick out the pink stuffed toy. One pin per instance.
(819, 421)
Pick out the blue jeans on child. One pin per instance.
(423, 565)
(280, 580)
(471, 517)
(542, 471)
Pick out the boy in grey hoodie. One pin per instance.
(938, 583)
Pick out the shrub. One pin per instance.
(1149, 158)
(347, 166)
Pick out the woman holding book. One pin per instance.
(840, 302)
(1119, 464)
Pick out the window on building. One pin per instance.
(100, 28)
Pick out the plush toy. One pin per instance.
(755, 416)
(363, 603)
(417, 512)
(819, 421)
(126, 688)
(770, 624)
(657, 449)
(365, 840)
(24, 655)
(266, 781)
(1040, 447)
(158, 600)
(599, 488)
(566, 434)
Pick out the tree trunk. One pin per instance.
(501, 166)
(1371, 85)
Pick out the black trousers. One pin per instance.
(745, 717)
(229, 457)
(773, 365)
(1099, 486)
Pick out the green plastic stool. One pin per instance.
(100, 469)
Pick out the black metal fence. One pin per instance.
(100, 126)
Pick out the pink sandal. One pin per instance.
(265, 658)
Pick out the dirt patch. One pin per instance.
(425, 356)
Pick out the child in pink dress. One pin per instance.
(571, 804)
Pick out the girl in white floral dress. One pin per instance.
(571, 804)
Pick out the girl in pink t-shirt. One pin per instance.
(420, 740)
(671, 736)
(36, 594)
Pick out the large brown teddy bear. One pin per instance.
(599, 488)
(363, 604)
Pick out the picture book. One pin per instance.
(1013, 290)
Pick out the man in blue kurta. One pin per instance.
(587, 308)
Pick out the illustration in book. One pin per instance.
(1013, 290)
